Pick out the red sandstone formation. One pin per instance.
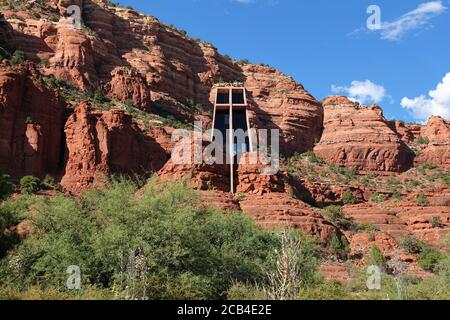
(407, 217)
(31, 122)
(220, 200)
(138, 60)
(279, 210)
(360, 138)
(198, 173)
(437, 152)
(335, 271)
(103, 143)
(278, 102)
(253, 179)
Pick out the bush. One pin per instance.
(336, 215)
(376, 258)
(188, 253)
(8, 219)
(240, 291)
(411, 244)
(424, 141)
(4, 54)
(30, 185)
(99, 97)
(422, 200)
(37, 293)
(49, 183)
(294, 267)
(446, 179)
(348, 198)
(313, 158)
(436, 222)
(377, 197)
(339, 246)
(6, 187)
(12, 211)
(18, 57)
(243, 62)
(29, 120)
(429, 259)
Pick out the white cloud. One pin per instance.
(243, 1)
(436, 104)
(415, 19)
(362, 91)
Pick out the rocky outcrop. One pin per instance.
(430, 222)
(126, 85)
(252, 177)
(137, 58)
(31, 123)
(278, 102)
(437, 151)
(360, 137)
(279, 210)
(185, 165)
(219, 200)
(101, 143)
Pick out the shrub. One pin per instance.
(243, 62)
(411, 244)
(446, 179)
(377, 197)
(18, 57)
(29, 120)
(429, 259)
(423, 141)
(240, 196)
(49, 183)
(6, 187)
(12, 211)
(313, 158)
(348, 197)
(393, 184)
(99, 97)
(188, 253)
(36, 293)
(241, 291)
(376, 258)
(350, 174)
(4, 54)
(8, 219)
(336, 215)
(422, 200)
(30, 185)
(294, 268)
(339, 246)
(436, 222)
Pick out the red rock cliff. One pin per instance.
(360, 137)
(31, 123)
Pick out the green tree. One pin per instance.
(429, 259)
(30, 184)
(6, 187)
(411, 244)
(189, 253)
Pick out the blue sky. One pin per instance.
(326, 45)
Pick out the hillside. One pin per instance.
(81, 105)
